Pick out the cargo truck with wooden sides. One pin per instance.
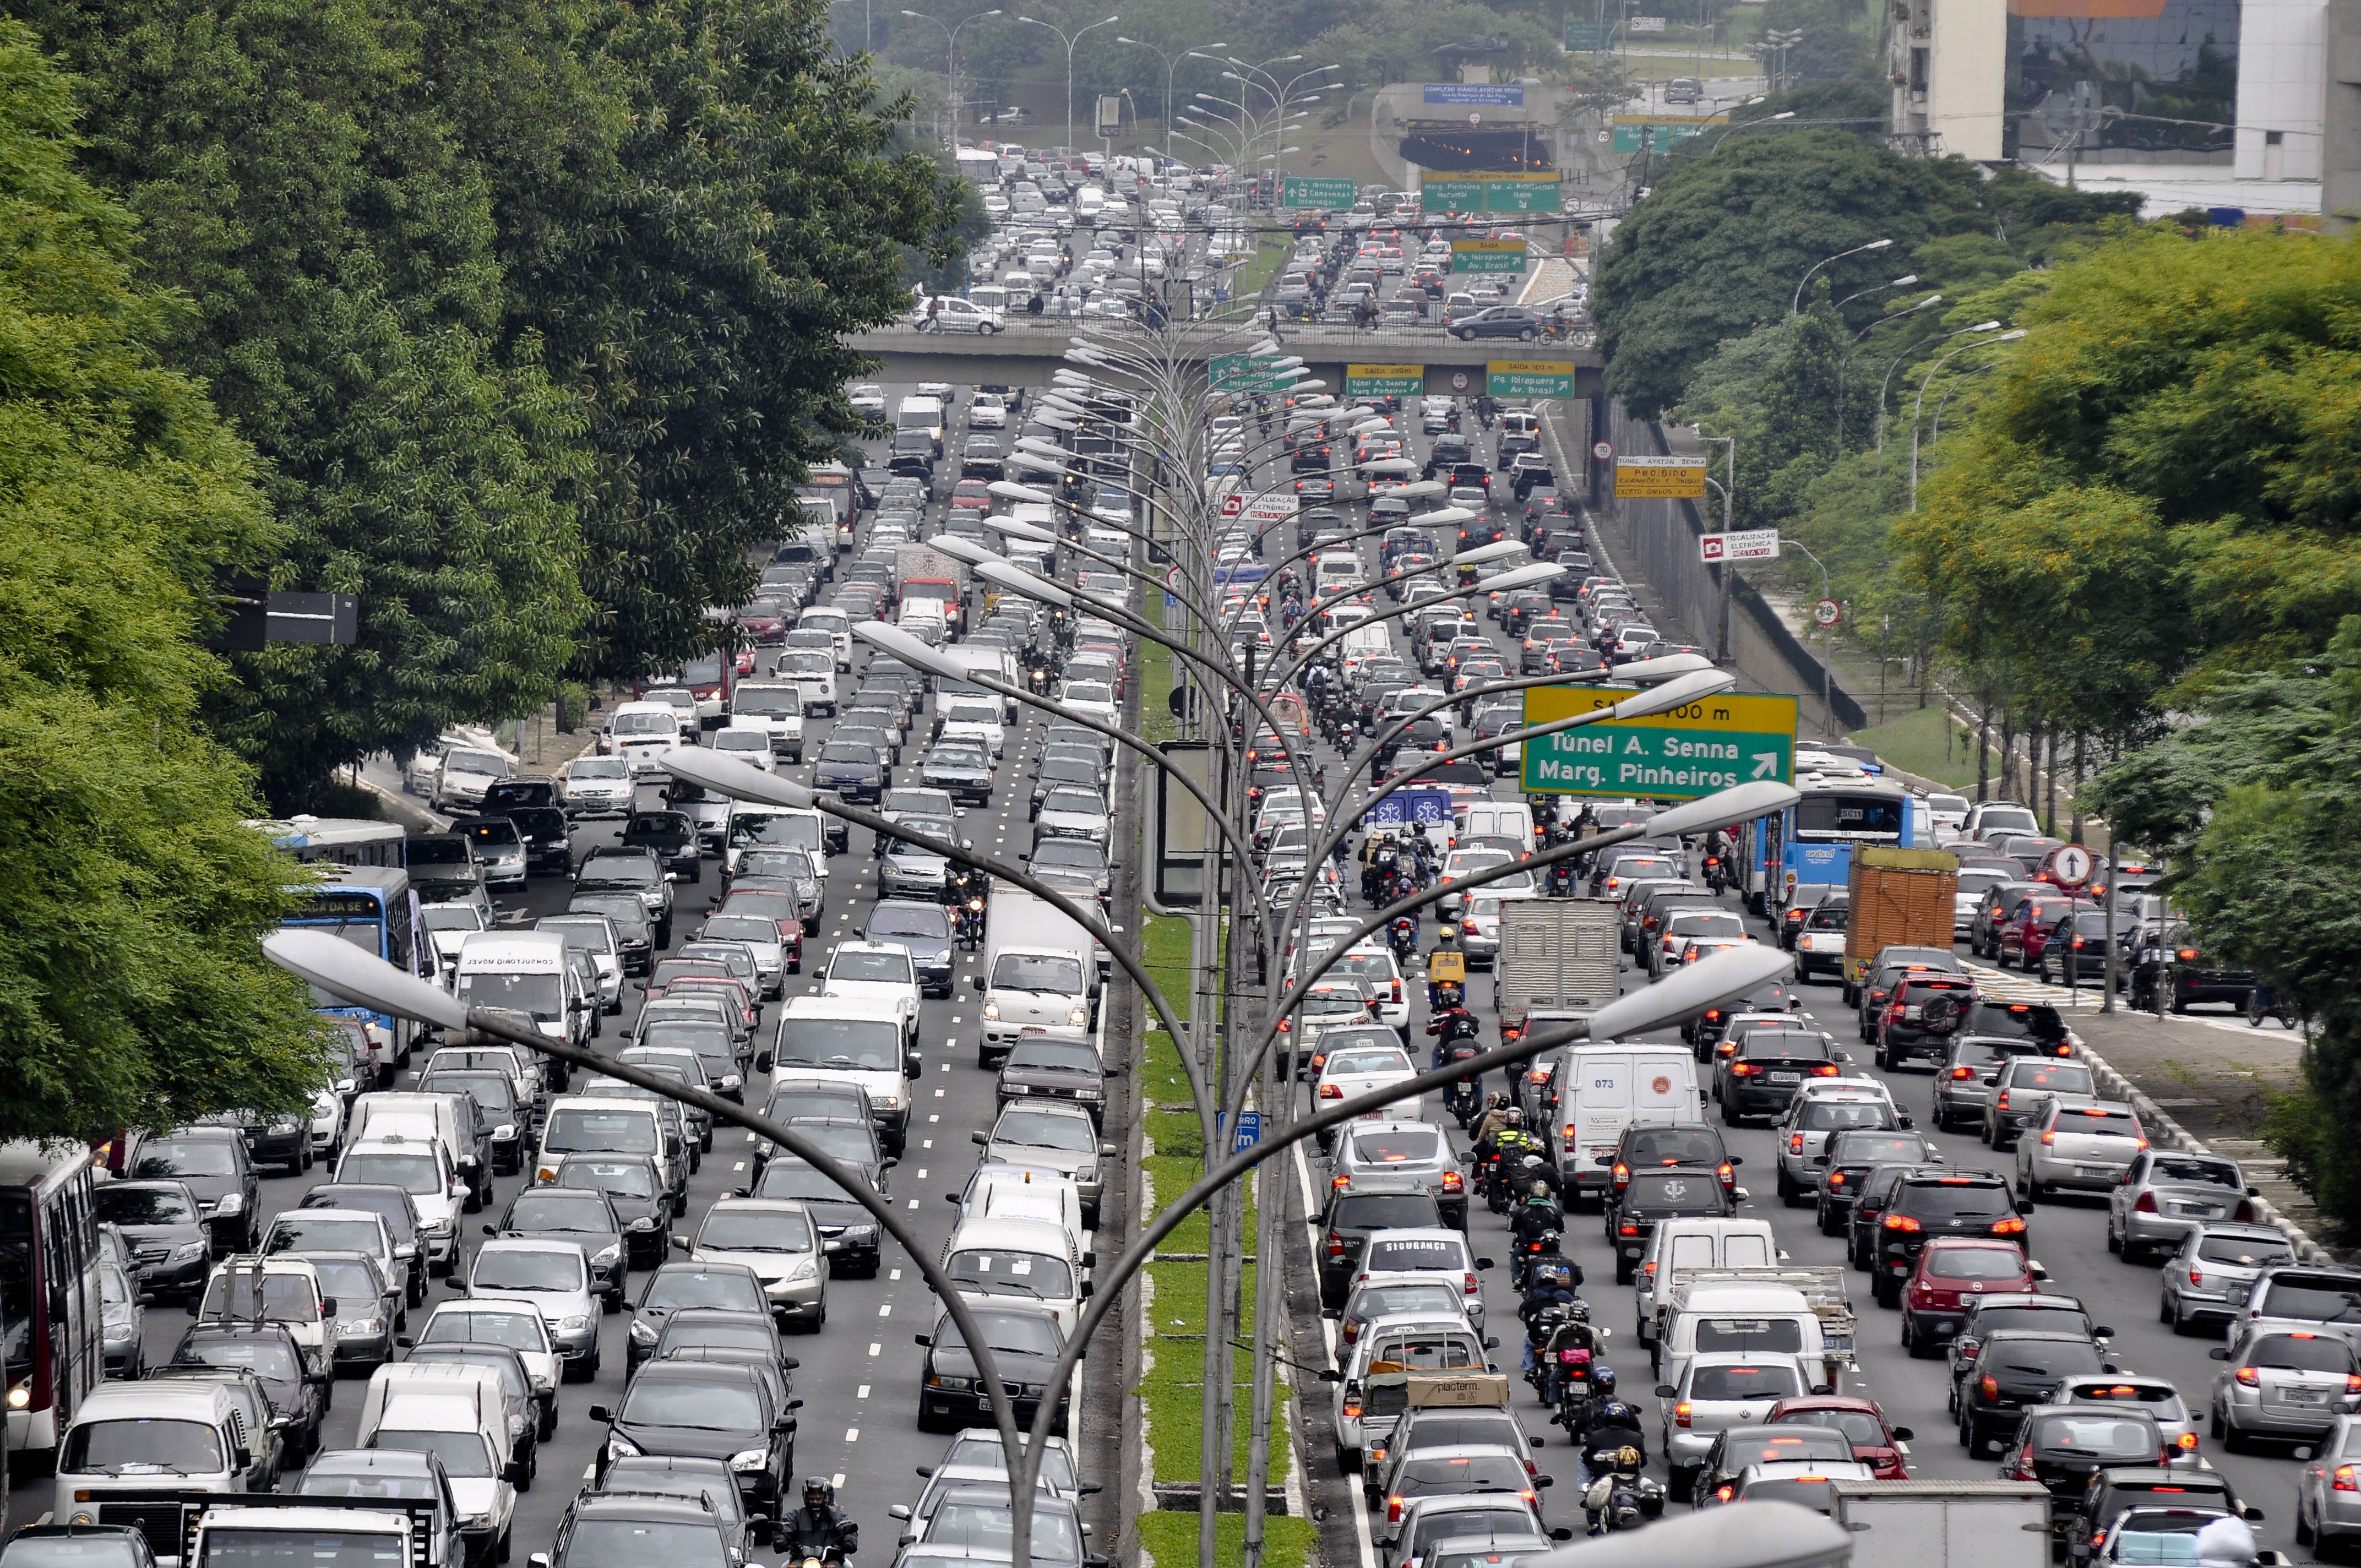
(1557, 955)
(1897, 898)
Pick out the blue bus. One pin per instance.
(375, 909)
(346, 841)
(1795, 856)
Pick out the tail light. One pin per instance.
(1627, 1230)
(2248, 1377)
(1963, 1073)
(1398, 991)
(1794, 1142)
(1452, 1182)
(1680, 1414)
(2186, 1442)
(2024, 1470)
(1286, 1025)
(1393, 1510)
(1338, 1183)
(2353, 1382)
(2048, 1138)
(2245, 1214)
(2197, 1276)
(1569, 1132)
(1468, 1285)
(2188, 955)
(2011, 1226)
(2147, 1205)
(1744, 1068)
(1726, 1171)
(1836, 1178)
(1335, 1245)
(1352, 1407)
(2344, 1479)
(1999, 1101)
(1825, 1069)
(1988, 1386)
(1901, 1222)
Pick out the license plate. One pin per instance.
(2199, 1211)
(1787, 1078)
(1032, 1029)
(2302, 1397)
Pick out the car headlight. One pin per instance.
(807, 1269)
(574, 1324)
(890, 1101)
(861, 1232)
(956, 1385)
(749, 1459)
(504, 1132)
(645, 1223)
(642, 1334)
(1079, 1017)
(231, 1204)
(438, 1228)
(1016, 1089)
(476, 1522)
(606, 1255)
(991, 1011)
(620, 1447)
(186, 1250)
(731, 1081)
(359, 1326)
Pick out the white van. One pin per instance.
(600, 1124)
(1090, 205)
(466, 1426)
(281, 1289)
(1026, 1192)
(915, 412)
(924, 619)
(776, 707)
(1687, 1245)
(1497, 819)
(813, 670)
(990, 296)
(1364, 642)
(1607, 1088)
(396, 1115)
(858, 1038)
(1026, 1258)
(775, 827)
(528, 972)
(127, 1437)
(642, 734)
(1769, 1318)
(837, 624)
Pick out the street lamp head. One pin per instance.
(1025, 583)
(2010, 336)
(1714, 978)
(1389, 465)
(363, 978)
(1784, 114)
(903, 646)
(1522, 577)
(1443, 516)
(1499, 550)
(1678, 692)
(1008, 490)
(1311, 386)
(963, 549)
(1903, 281)
(1877, 245)
(726, 775)
(1983, 326)
(1419, 487)
(1741, 804)
(1016, 530)
(1039, 465)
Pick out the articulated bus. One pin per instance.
(1794, 856)
(344, 840)
(375, 909)
(49, 1316)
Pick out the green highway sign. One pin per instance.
(1589, 37)
(1384, 380)
(1529, 378)
(1533, 192)
(1244, 373)
(1328, 195)
(1694, 750)
(1488, 256)
(1447, 195)
(1638, 133)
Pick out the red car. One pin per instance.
(1874, 1443)
(2026, 930)
(1952, 1271)
(971, 494)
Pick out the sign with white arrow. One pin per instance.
(1707, 746)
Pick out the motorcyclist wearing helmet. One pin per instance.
(820, 1528)
(1613, 1424)
(1496, 1110)
(1624, 1468)
(1452, 1024)
(1535, 1216)
(1570, 1353)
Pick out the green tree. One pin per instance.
(131, 893)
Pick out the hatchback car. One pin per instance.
(2208, 1277)
(2167, 1194)
(1952, 1270)
(2282, 1382)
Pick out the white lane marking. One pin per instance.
(896, 1274)
(876, 1349)
(885, 1310)
(590, 1471)
(739, 1165)
(957, 1019)
(949, 1045)
(751, 1138)
(853, 1434)
(837, 1479)
(914, 1202)
(930, 1142)
(938, 1094)
(862, 1392)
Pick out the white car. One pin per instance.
(1095, 699)
(601, 784)
(466, 772)
(868, 399)
(1361, 1069)
(989, 411)
(973, 718)
(881, 970)
(749, 741)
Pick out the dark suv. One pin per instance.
(1873, 1190)
(1962, 1203)
(1848, 1159)
(2014, 1370)
(1920, 1017)
(1690, 1146)
(1653, 1195)
(1762, 1074)
(1501, 321)
(1354, 1210)
(672, 836)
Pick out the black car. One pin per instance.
(548, 837)
(170, 1245)
(857, 1239)
(1691, 1145)
(672, 834)
(961, 769)
(1499, 321)
(1653, 1195)
(1060, 772)
(852, 769)
(1847, 1159)
(1889, 968)
(1025, 1342)
(700, 1410)
(2178, 1500)
(637, 872)
(2014, 1370)
(675, 1287)
(1704, 1031)
(635, 933)
(1739, 1448)
(635, 1189)
(272, 1354)
(397, 1208)
(1762, 1074)
(2170, 958)
(1365, 1205)
(2034, 1311)
(212, 1163)
(695, 1328)
(702, 1483)
(583, 1216)
(925, 929)
(1920, 1018)
(1055, 1069)
(2064, 1447)
(1926, 1206)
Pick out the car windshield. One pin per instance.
(1056, 1539)
(1862, 1430)
(698, 1407)
(1366, 1062)
(323, 1230)
(165, 1157)
(731, 1289)
(995, 1272)
(1827, 1115)
(1040, 973)
(580, 1129)
(268, 1356)
(1672, 1145)
(787, 1177)
(450, 917)
(2107, 1437)
(624, 1179)
(527, 1268)
(145, 1205)
(546, 1209)
(2044, 1358)
(464, 1454)
(886, 968)
(908, 920)
(1396, 1146)
(1054, 1055)
(1045, 1130)
(755, 1230)
(1387, 1300)
(1411, 1254)
(1945, 1199)
(1745, 1381)
(185, 1448)
(414, 1173)
(860, 1045)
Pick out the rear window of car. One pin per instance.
(1784, 1045)
(2252, 1251)
(1672, 1145)
(1976, 1263)
(2302, 1353)
(2066, 1078)
(1385, 1211)
(2107, 1437)
(1744, 1382)
(2184, 1168)
(1396, 1146)
(1830, 1115)
(1945, 1198)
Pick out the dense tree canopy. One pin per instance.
(131, 895)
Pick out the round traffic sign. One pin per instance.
(2071, 865)
(1459, 380)
(1604, 451)
(1476, 119)
(1172, 578)
(1827, 613)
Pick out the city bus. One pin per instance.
(346, 840)
(49, 1318)
(375, 909)
(1795, 855)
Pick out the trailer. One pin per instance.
(1559, 955)
(1899, 898)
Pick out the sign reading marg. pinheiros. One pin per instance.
(1384, 380)
(1692, 751)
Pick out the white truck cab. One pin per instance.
(862, 1039)
(134, 1448)
(642, 734)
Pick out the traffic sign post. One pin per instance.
(1384, 380)
(2071, 865)
(1488, 256)
(1529, 378)
(1695, 751)
(1660, 478)
(1327, 195)
(1517, 191)
(1603, 450)
(1749, 544)
(1828, 612)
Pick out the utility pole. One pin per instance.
(1721, 654)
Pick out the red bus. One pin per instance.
(50, 1319)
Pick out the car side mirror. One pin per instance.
(1667, 1391)
(672, 876)
(924, 1341)
(2103, 1332)
(762, 1061)
(1561, 1533)
(2219, 1353)
(681, 1243)
(491, 1230)
(2025, 1205)
(601, 1413)
(513, 1473)
(2251, 1514)
(899, 1512)
(1330, 1375)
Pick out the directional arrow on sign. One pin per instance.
(1766, 764)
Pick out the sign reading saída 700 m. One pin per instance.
(1694, 750)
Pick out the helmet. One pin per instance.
(1513, 1117)
(1549, 1240)
(818, 1493)
(1603, 1380)
(1627, 1458)
(1539, 1192)
(1615, 1412)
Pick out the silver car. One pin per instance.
(2080, 1143)
(2285, 1379)
(774, 1237)
(2328, 1490)
(907, 870)
(2207, 1278)
(554, 1278)
(2166, 1194)
(2117, 1391)
(1719, 1389)
(1414, 1149)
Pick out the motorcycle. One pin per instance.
(1631, 1500)
(1716, 878)
(1402, 936)
(2262, 1003)
(970, 918)
(1039, 678)
(1459, 1096)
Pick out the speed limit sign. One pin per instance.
(1604, 451)
(1827, 613)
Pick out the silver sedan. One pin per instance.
(2167, 1194)
(2284, 1380)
